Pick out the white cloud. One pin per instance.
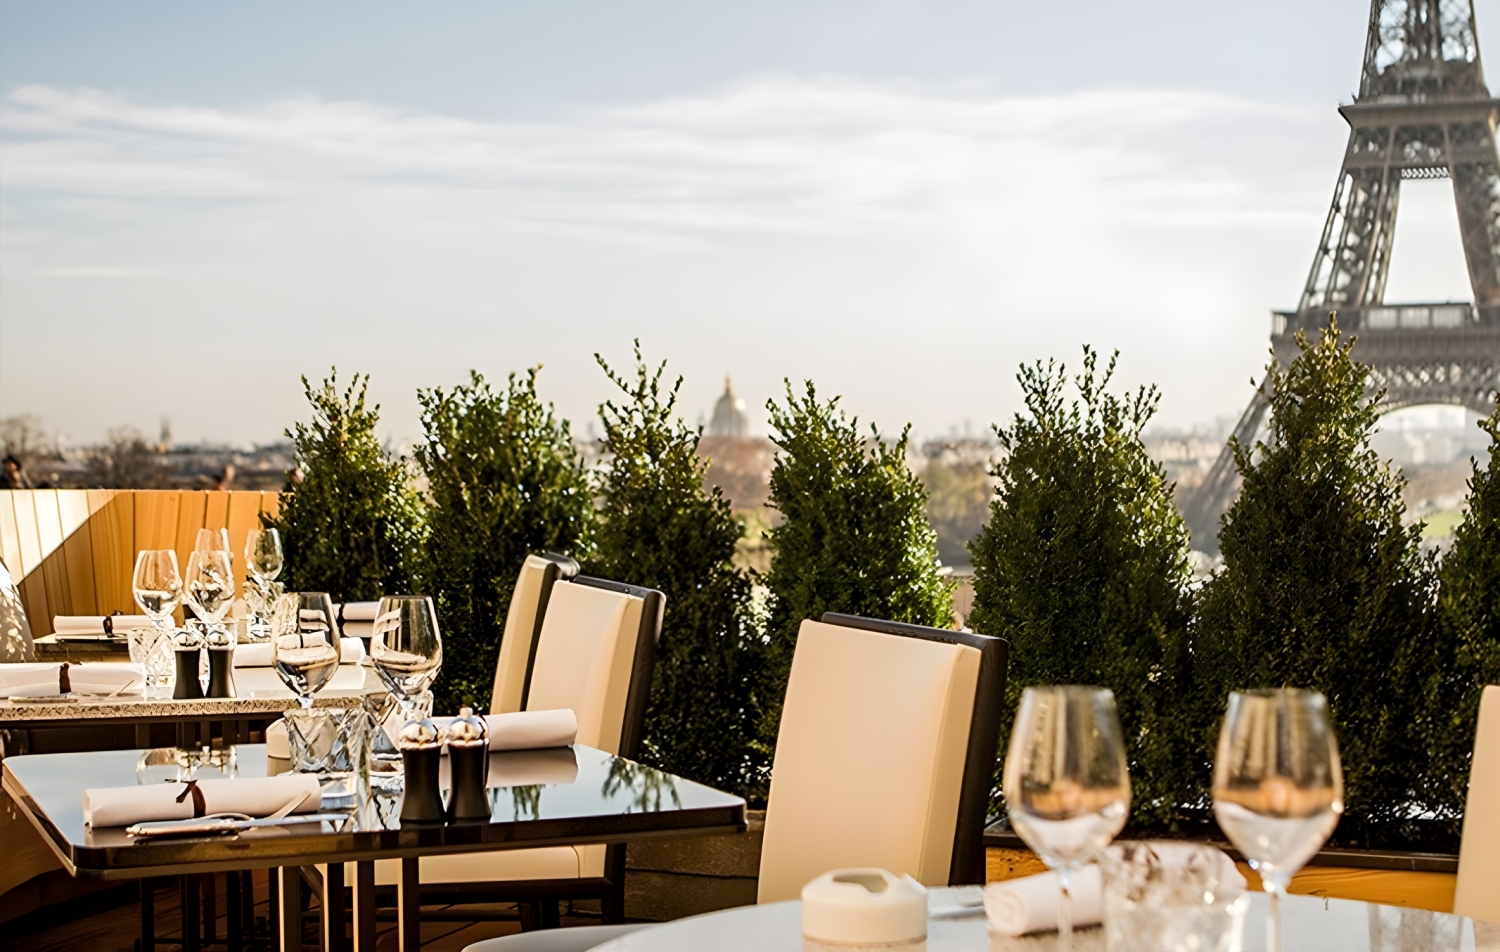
(905, 245)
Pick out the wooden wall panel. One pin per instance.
(270, 504)
(190, 518)
(78, 556)
(10, 542)
(112, 540)
(34, 600)
(244, 515)
(155, 519)
(54, 565)
(31, 546)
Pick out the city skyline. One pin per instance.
(825, 197)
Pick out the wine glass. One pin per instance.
(304, 643)
(213, 540)
(263, 559)
(158, 590)
(405, 646)
(1066, 783)
(1278, 785)
(208, 587)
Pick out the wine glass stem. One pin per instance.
(1273, 917)
(1065, 911)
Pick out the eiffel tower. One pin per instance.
(1423, 112)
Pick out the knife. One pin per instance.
(205, 825)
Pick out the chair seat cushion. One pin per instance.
(552, 862)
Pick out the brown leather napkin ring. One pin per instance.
(200, 807)
(64, 685)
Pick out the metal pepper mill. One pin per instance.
(468, 767)
(187, 645)
(421, 744)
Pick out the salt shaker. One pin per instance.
(468, 765)
(187, 645)
(421, 744)
(220, 662)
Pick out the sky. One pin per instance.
(902, 201)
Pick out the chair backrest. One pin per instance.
(15, 628)
(883, 731)
(595, 654)
(1477, 893)
(523, 624)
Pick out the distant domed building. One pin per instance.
(729, 415)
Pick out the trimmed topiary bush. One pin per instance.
(1083, 567)
(1469, 613)
(504, 481)
(660, 528)
(350, 519)
(1324, 588)
(855, 537)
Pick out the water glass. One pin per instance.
(387, 715)
(328, 741)
(1171, 897)
(1278, 785)
(263, 560)
(158, 590)
(1066, 783)
(208, 587)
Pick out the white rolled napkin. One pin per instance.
(258, 655)
(1029, 904)
(94, 624)
(527, 730)
(46, 679)
(358, 611)
(255, 797)
(359, 629)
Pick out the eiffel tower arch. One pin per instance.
(1423, 112)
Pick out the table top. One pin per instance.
(608, 799)
(259, 690)
(50, 648)
(1309, 924)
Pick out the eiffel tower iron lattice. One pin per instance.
(1423, 112)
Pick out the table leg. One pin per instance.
(192, 913)
(210, 883)
(143, 735)
(232, 911)
(289, 900)
(409, 907)
(333, 908)
(148, 916)
(364, 907)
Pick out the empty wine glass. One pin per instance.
(208, 588)
(213, 540)
(405, 646)
(158, 590)
(1066, 783)
(1278, 785)
(263, 560)
(304, 643)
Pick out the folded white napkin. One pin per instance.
(351, 651)
(358, 611)
(45, 679)
(94, 624)
(527, 730)
(256, 797)
(1029, 904)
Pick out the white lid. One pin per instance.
(864, 905)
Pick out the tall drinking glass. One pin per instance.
(208, 588)
(263, 561)
(158, 590)
(1278, 785)
(1066, 783)
(304, 643)
(405, 646)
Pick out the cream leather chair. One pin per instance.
(885, 757)
(1477, 894)
(523, 626)
(594, 653)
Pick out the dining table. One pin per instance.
(565, 796)
(1309, 924)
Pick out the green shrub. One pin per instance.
(855, 537)
(658, 527)
(504, 481)
(1469, 612)
(349, 520)
(1083, 567)
(1323, 587)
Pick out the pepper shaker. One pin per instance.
(220, 663)
(187, 645)
(468, 766)
(421, 744)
